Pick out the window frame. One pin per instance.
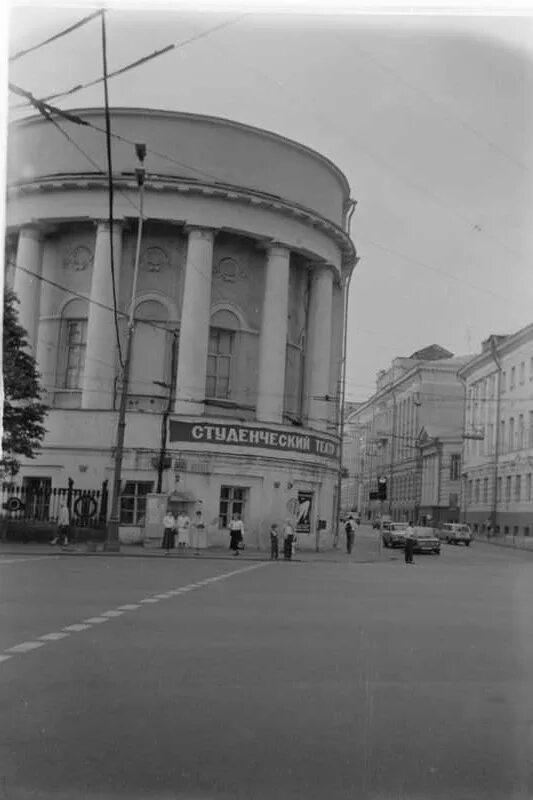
(218, 356)
(69, 348)
(139, 501)
(232, 504)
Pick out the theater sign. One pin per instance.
(253, 437)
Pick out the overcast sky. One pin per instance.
(429, 117)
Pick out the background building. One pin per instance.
(244, 258)
(409, 436)
(498, 447)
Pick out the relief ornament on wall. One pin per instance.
(154, 259)
(79, 258)
(229, 269)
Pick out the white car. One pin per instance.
(455, 533)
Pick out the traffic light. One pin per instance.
(382, 488)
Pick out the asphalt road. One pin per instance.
(372, 681)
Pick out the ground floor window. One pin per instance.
(232, 501)
(133, 502)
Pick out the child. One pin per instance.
(274, 542)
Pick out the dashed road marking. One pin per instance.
(25, 647)
(106, 616)
(77, 627)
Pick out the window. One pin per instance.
(511, 433)
(526, 530)
(513, 378)
(232, 501)
(469, 491)
(502, 435)
(503, 384)
(476, 491)
(150, 352)
(73, 344)
(528, 487)
(530, 430)
(219, 363)
(490, 439)
(518, 488)
(76, 344)
(520, 436)
(492, 383)
(133, 502)
(485, 490)
(499, 492)
(455, 466)
(522, 372)
(508, 488)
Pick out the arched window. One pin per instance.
(72, 346)
(221, 355)
(150, 351)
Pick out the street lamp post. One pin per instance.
(167, 411)
(112, 543)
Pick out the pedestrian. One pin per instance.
(63, 526)
(409, 544)
(274, 542)
(236, 530)
(169, 531)
(198, 528)
(183, 523)
(288, 540)
(350, 533)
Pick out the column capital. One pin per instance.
(31, 230)
(103, 224)
(198, 232)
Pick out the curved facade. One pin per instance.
(243, 260)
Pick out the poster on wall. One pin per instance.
(303, 512)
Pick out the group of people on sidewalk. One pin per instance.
(179, 526)
(289, 541)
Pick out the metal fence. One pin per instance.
(21, 504)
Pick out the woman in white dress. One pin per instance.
(183, 524)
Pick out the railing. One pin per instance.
(28, 504)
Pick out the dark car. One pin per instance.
(426, 541)
(393, 534)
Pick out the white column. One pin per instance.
(319, 348)
(100, 355)
(194, 326)
(273, 339)
(27, 285)
(335, 366)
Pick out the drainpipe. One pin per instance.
(494, 511)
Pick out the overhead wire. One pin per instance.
(143, 60)
(56, 36)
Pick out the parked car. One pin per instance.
(379, 521)
(455, 533)
(393, 534)
(426, 541)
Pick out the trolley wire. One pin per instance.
(56, 36)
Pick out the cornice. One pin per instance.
(188, 186)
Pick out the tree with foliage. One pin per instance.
(24, 413)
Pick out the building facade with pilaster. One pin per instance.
(497, 483)
(244, 258)
(409, 434)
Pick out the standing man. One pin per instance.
(288, 540)
(350, 533)
(409, 546)
(274, 542)
(169, 531)
(236, 530)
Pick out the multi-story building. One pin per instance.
(498, 445)
(408, 434)
(244, 259)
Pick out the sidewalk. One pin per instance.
(366, 552)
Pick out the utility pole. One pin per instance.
(167, 411)
(112, 543)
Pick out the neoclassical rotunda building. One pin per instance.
(244, 257)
